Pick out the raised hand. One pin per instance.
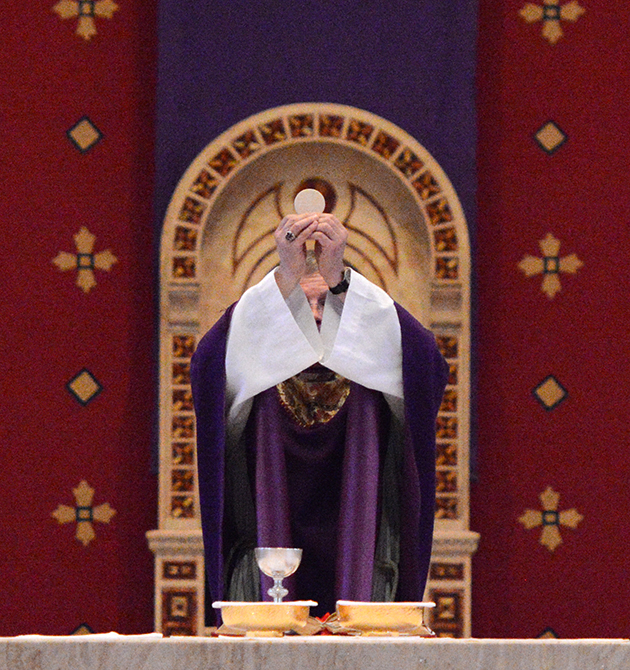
(291, 236)
(330, 243)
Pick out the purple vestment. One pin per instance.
(424, 379)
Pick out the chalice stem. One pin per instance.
(277, 591)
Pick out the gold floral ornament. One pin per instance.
(550, 265)
(85, 10)
(84, 261)
(84, 513)
(551, 13)
(550, 519)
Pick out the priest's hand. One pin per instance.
(330, 243)
(291, 236)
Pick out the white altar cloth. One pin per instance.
(103, 652)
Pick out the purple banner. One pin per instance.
(411, 62)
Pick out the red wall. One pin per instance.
(580, 449)
(52, 329)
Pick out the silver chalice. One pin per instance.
(278, 563)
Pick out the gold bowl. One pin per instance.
(264, 618)
(384, 618)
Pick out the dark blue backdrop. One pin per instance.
(409, 61)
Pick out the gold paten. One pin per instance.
(368, 618)
(263, 619)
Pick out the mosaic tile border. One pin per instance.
(181, 465)
(313, 123)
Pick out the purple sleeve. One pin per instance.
(208, 387)
(425, 373)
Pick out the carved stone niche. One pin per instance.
(407, 234)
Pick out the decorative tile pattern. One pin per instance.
(223, 162)
(330, 125)
(445, 239)
(550, 137)
(181, 373)
(182, 400)
(182, 507)
(359, 132)
(385, 144)
(85, 11)
(447, 616)
(184, 267)
(446, 427)
(301, 125)
(204, 186)
(185, 239)
(408, 163)
(550, 265)
(179, 570)
(84, 514)
(446, 481)
(426, 185)
(550, 393)
(183, 346)
(550, 519)
(447, 267)
(192, 210)
(84, 135)
(439, 212)
(182, 480)
(84, 261)
(446, 454)
(446, 571)
(446, 508)
(183, 427)
(179, 612)
(449, 401)
(246, 144)
(551, 12)
(84, 387)
(448, 345)
(183, 453)
(273, 132)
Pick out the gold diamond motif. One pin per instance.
(550, 392)
(84, 135)
(550, 137)
(84, 387)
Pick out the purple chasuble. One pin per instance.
(318, 488)
(424, 378)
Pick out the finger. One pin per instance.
(288, 222)
(297, 223)
(335, 234)
(323, 239)
(306, 232)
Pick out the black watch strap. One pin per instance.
(343, 285)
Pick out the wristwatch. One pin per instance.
(342, 286)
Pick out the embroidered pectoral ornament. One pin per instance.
(313, 401)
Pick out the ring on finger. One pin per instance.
(289, 236)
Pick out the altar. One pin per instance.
(144, 652)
